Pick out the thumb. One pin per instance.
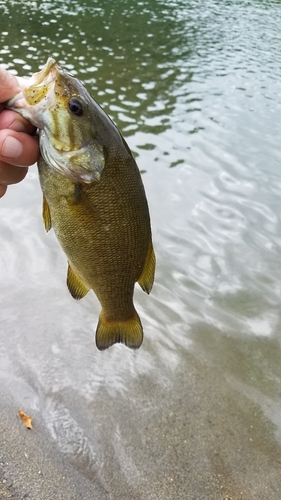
(9, 85)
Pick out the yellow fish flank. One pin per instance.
(94, 199)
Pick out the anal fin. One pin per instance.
(75, 284)
(46, 215)
(147, 276)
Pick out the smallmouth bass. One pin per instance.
(93, 198)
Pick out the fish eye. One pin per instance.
(75, 106)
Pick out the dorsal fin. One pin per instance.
(147, 276)
(75, 284)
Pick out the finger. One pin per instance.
(9, 85)
(18, 148)
(3, 190)
(10, 174)
(14, 121)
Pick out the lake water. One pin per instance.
(194, 86)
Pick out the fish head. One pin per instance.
(62, 109)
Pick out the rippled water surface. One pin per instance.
(194, 86)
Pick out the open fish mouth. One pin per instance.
(45, 74)
(47, 71)
(40, 88)
(67, 142)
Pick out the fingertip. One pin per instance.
(12, 148)
(9, 85)
(13, 121)
(3, 190)
(11, 174)
(18, 148)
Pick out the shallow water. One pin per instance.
(195, 413)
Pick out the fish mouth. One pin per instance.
(37, 95)
(44, 102)
(47, 71)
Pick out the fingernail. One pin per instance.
(12, 148)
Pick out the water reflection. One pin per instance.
(128, 60)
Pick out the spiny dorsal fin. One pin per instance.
(147, 276)
(46, 215)
(76, 285)
(128, 332)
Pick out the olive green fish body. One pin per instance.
(93, 198)
(104, 249)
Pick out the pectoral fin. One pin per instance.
(76, 285)
(147, 276)
(46, 215)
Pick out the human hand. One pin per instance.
(18, 146)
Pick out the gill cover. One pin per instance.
(81, 165)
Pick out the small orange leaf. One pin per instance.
(26, 419)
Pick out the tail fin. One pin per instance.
(128, 332)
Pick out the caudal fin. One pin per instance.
(128, 332)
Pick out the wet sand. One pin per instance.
(192, 437)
